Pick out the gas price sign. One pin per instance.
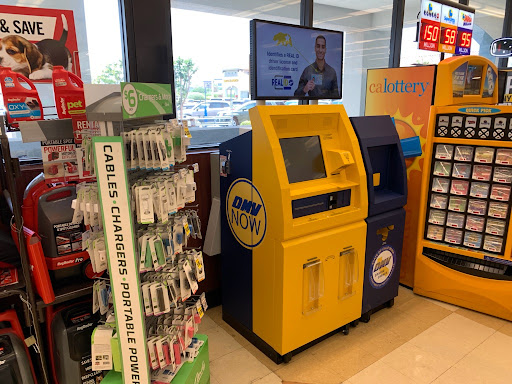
(445, 28)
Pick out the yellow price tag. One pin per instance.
(200, 310)
(185, 226)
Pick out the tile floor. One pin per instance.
(417, 341)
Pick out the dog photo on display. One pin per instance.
(35, 60)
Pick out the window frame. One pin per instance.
(138, 65)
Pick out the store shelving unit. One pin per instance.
(24, 288)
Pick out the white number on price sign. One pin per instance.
(130, 99)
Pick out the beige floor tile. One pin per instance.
(489, 363)
(380, 342)
(269, 379)
(234, 334)
(220, 343)
(447, 306)
(408, 326)
(459, 375)
(380, 373)
(463, 328)
(308, 370)
(489, 321)
(291, 382)
(444, 345)
(215, 313)
(262, 358)
(417, 364)
(350, 361)
(495, 352)
(238, 367)
(206, 323)
(404, 295)
(506, 329)
(213, 380)
(425, 310)
(382, 319)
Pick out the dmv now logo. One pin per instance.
(399, 87)
(382, 266)
(282, 82)
(246, 213)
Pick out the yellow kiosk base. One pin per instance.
(320, 291)
(493, 297)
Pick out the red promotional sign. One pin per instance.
(33, 40)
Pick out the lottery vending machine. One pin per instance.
(464, 253)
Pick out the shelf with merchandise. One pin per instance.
(139, 229)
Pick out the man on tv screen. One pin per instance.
(319, 79)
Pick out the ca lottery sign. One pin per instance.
(246, 213)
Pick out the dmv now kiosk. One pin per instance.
(293, 230)
(464, 253)
(387, 194)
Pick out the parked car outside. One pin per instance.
(212, 109)
(229, 110)
(241, 113)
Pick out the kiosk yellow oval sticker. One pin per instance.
(246, 213)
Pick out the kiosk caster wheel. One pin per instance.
(365, 318)
(390, 303)
(345, 329)
(287, 358)
(355, 323)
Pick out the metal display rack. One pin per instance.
(24, 288)
(128, 285)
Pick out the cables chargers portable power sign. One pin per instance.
(124, 275)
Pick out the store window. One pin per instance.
(211, 40)
(489, 15)
(367, 27)
(99, 46)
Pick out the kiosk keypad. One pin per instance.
(496, 127)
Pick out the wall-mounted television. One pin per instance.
(294, 62)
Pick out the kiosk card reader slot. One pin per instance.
(303, 165)
(321, 203)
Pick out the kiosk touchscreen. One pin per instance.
(293, 229)
(464, 253)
